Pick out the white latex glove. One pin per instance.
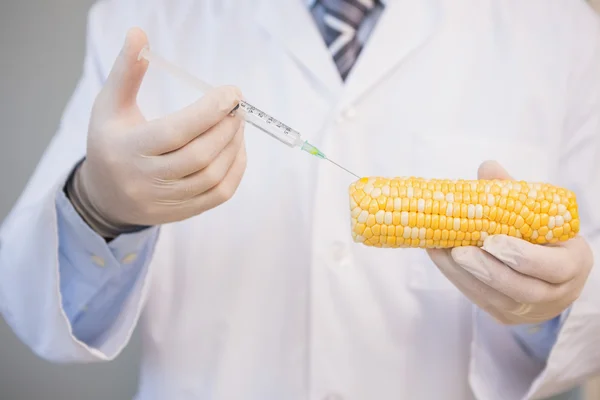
(140, 172)
(513, 280)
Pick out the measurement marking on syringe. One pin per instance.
(261, 114)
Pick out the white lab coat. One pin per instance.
(266, 297)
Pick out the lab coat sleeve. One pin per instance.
(37, 248)
(500, 367)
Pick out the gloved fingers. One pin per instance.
(207, 178)
(494, 273)
(125, 78)
(223, 191)
(553, 263)
(479, 293)
(173, 131)
(201, 152)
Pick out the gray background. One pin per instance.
(41, 51)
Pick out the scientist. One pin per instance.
(153, 207)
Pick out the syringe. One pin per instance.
(250, 113)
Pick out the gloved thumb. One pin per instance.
(125, 78)
(492, 170)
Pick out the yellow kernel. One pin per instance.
(443, 219)
(414, 243)
(396, 218)
(437, 234)
(530, 218)
(505, 217)
(400, 231)
(391, 241)
(435, 222)
(391, 230)
(429, 233)
(413, 205)
(543, 220)
(435, 208)
(564, 238)
(384, 230)
(405, 204)
(368, 233)
(364, 203)
(502, 203)
(443, 243)
(427, 220)
(412, 219)
(389, 205)
(518, 222)
(526, 230)
(464, 211)
(512, 231)
(359, 228)
(445, 234)
(428, 205)
(493, 213)
(475, 236)
(558, 231)
(460, 235)
(575, 225)
(530, 203)
(504, 229)
(485, 226)
(451, 235)
(543, 231)
(420, 220)
(553, 210)
(394, 192)
(376, 229)
(373, 207)
(382, 201)
(518, 207)
(429, 243)
(566, 228)
(512, 218)
(544, 206)
(464, 224)
(371, 220)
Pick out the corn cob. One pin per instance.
(430, 213)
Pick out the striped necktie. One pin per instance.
(339, 22)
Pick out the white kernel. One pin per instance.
(422, 232)
(556, 199)
(438, 196)
(410, 192)
(518, 234)
(537, 186)
(407, 232)
(450, 197)
(404, 218)
(478, 211)
(385, 190)
(532, 194)
(456, 224)
(491, 200)
(549, 236)
(567, 216)
(503, 192)
(534, 234)
(421, 205)
(356, 212)
(551, 223)
(359, 238)
(397, 204)
(362, 218)
(422, 243)
(483, 235)
(388, 218)
(517, 187)
(488, 188)
(559, 220)
(368, 188)
(562, 209)
(375, 193)
(379, 216)
(470, 211)
(414, 234)
(353, 203)
(449, 210)
(473, 186)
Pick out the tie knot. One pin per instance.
(351, 12)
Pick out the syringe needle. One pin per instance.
(338, 165)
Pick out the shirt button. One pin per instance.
(99, 261)
(339, 252)
(350, 112)
(129, 258)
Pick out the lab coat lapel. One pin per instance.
(403, 28)
(289, 22)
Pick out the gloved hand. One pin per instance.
(513, 280)
(138, 172)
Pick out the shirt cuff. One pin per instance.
(537, 340)
(89, 263)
